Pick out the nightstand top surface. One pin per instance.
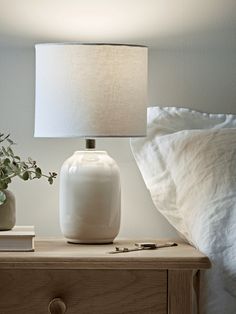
(56, 253)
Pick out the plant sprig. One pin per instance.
(12, 166)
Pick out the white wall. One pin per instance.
(199, 79)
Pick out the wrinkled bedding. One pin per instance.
(188, 163)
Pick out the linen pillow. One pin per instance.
(188, 162)
(172, 119)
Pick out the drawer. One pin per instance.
(29, 291)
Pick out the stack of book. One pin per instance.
(20, 238)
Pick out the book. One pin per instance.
(18, 239)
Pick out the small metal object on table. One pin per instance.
(143, 246)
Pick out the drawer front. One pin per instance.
(30, 291)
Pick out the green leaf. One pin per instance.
(25, 176)
(10, 151)
(6, 161)
(8, 180)
(2, 197)
(4, 151)
(38, 173)
(38, 170)
(3, 185)
(10, 141)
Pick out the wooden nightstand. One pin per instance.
(68, 278)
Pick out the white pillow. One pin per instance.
(172, 119)
(188, 162)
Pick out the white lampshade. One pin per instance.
(90, 90)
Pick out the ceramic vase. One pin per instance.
(8, 212)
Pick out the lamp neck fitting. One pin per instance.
(90, 143)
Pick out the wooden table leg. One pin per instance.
(180, 291)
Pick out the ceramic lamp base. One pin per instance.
(90, 198)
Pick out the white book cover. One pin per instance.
(20, 238)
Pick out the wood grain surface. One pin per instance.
(58, 254)
(87, 279)
(83, 291)
(180, 292)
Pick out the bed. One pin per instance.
(188, 163)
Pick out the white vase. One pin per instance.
(8, 212)
(90, 198)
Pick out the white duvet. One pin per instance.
(188, 162)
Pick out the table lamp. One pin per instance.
(90, 90)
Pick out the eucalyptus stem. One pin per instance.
(12, 165)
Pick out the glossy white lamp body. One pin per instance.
(90, 198)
